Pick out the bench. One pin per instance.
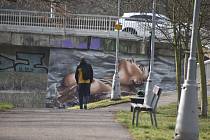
(136, 100)
(137, 108)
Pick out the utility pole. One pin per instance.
(52, 9)
(149, 83)
(187, 118)
(116, 91)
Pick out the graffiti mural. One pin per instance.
(133, 73)
(23, 68)
(6, 63)
(62, 66)
(31, 62)
(24, 62)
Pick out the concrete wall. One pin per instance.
(164, 49)
(82, 42)
(69, 41)
(207, 68)
(23, 68)
(24, 98)
(24, 61)
(23, 75)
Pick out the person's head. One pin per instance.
(82, 60)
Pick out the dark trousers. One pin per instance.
(84, 93)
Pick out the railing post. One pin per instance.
(19, 18)
(109, 24)
(64, 24)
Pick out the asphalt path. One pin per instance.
(60, 124)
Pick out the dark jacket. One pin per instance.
(84, 73)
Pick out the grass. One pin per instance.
(104, 103)
(5, 106)
(166, 118)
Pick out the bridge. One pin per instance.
(73, 24)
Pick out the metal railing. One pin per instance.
(44, 19)
(96, 23)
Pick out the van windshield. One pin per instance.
(147, 18)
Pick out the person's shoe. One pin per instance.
(85, 106)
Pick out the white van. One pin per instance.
(140, 24)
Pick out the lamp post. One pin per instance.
(52, 9)
(187, 118)
(149, 83)
(116, 91)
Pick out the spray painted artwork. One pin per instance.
(23, 68)
(63, 63)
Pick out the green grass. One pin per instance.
(166, 118)
(104, 103)
(5, 106)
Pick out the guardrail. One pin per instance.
(95, 23)
(45, 19)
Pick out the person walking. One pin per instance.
(84, 78)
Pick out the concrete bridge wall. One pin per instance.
(70, 41)
(24, 62)
(82, 42)
(23, 75)
(26, 99)
(25, 58)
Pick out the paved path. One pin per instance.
(58, 124)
